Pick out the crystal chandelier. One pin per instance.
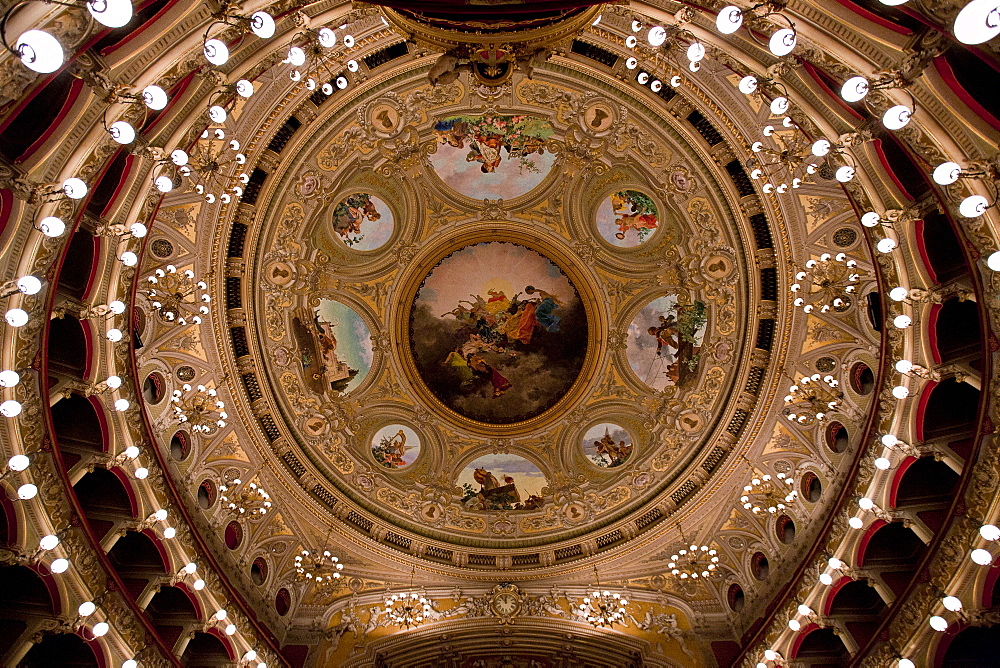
(201, 408)
(783, 167)
(318, 567)
(767, 494)
(827, 283)
(809, 400)
(212, 168)
(314, 66)
(176, 296)
(694, 561)
(796, 159)
(248, 499)
(406, 609)
(602, 607)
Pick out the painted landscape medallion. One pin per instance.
(498, 332)
(334, 346)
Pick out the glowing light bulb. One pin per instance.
(729, 20)
(216, 52)
(52, 226)
(154, 97)
(854, 89)
(39, 51)
(982, 557)
(782, 42)
(262, 24)
(973, 206)
(989, 532)
(112, 13)
(978, 22)
(748, 84)
(897, 117)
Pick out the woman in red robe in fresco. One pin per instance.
(483, 369)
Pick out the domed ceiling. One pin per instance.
(499, 307)
(508, 330)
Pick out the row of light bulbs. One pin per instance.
(17, 317)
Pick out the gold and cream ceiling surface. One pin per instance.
(503, 332)
(487, 317)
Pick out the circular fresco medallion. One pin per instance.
(492, 157)
(502, 482)
(664, 341)
(395, 446)
(362, 221)
(627, 218)
(333, 345)
(498, 332)
(607, 445)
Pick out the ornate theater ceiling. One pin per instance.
(505, 332)
(499, 315)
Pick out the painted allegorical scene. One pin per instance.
(502, 482)
(362, 221)
(395, 446)
(498, 332)
(664, 341)
(627, 218)
(334, 346)
(492, 156)
(607, 445)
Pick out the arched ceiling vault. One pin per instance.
(500, 308)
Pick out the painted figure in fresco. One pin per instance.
(489, 136)
(546, 304)
(332, 368)
(634, 211)
(483, 369)
(486, 150)
(452, 131)
(457, 362)
(495, 325)
(391, 450)
(610, 454)
(679, 335)
(666, 334)
(350, 213)
(494, 496)
(486, 479)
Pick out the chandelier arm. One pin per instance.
(3, 25)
